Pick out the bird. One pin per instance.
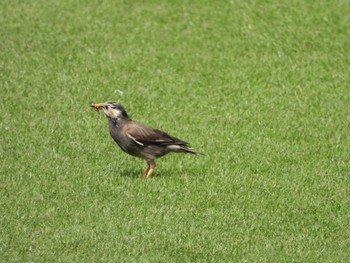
(140, 140)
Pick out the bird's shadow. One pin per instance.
(134, 173)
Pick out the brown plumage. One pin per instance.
(139, 140)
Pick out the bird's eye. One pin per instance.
(106, 107)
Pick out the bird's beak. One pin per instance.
(96, 106)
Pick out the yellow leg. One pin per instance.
(149, 172)
(150, 168)
(147, 169)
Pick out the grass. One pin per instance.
(261, 87)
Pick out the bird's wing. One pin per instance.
(144, 135)
(134, 139)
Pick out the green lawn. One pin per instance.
(261, 87)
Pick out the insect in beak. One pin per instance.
(96, 106)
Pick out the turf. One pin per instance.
(261, 87)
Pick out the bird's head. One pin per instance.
(113, 110)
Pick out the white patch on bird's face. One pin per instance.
(112, 113)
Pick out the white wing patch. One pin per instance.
(132, 138)
(174, 147)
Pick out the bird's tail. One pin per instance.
(187, 149)
(184, 149)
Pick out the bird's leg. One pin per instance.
(150, 168)
(147, 169)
